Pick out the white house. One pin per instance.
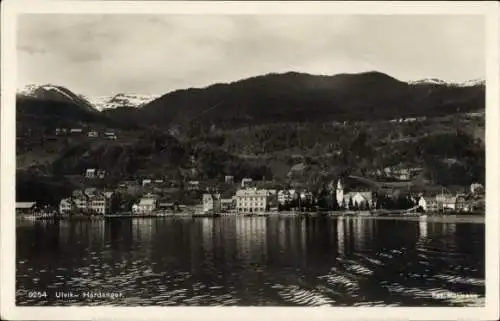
(251, 200)
(358, 199)
(92, 133)
(145, 206)
(285, 196)
(428, 204)
(90, 173)
(446, 201)
(66, 205)
(26, 208)
(146, 182)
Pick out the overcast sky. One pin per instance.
(154, 54)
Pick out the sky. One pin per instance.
(98, 55)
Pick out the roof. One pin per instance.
(147, 201)
(25, 205)
(108, 194)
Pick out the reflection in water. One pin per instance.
(340, 236)
(253, 261)
(422, 227)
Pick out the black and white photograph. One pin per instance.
(250, 158)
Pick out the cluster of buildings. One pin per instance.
(457, 203)
(91, 173)
(408, 119)
(249, 199)
(150, 203)
(398, 172)
(89, 201)
(109, 134)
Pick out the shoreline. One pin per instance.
(430, 218)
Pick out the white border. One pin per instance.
(11, 8)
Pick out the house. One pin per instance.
(428, 204)
(76, 131)
(446, 201)
(92, 134)
(246, 182)
(285, 196)
(227, 204)
(211, 202)
(146, 182)
(476, 188)
(98, 204)
(66, 205)
(146, 205)
(25, 208)
(251, 200)
(193, 185)
(229, 179)
(306, 196)
(90, 173)
(90, 201)
(167, 206)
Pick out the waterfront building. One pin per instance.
(353, 200)
(146, 181)
(446, 201)
(428, 204)
(211, 202)
(25, 208)
(75, 131)
(66, 205)
(97, 204)
(227, 204)
(285, 196)
(93, 134)
(251, 200)
(89, 201)
(463, 204)
(146, 205)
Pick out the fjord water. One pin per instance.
(284, 261)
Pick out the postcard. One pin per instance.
(249, 160)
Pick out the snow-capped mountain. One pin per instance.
(439, 82)
(55, 93)
(121, 100)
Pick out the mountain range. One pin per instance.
(286, 97)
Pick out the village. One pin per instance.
(150, 197)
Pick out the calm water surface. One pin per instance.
(252, 261)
